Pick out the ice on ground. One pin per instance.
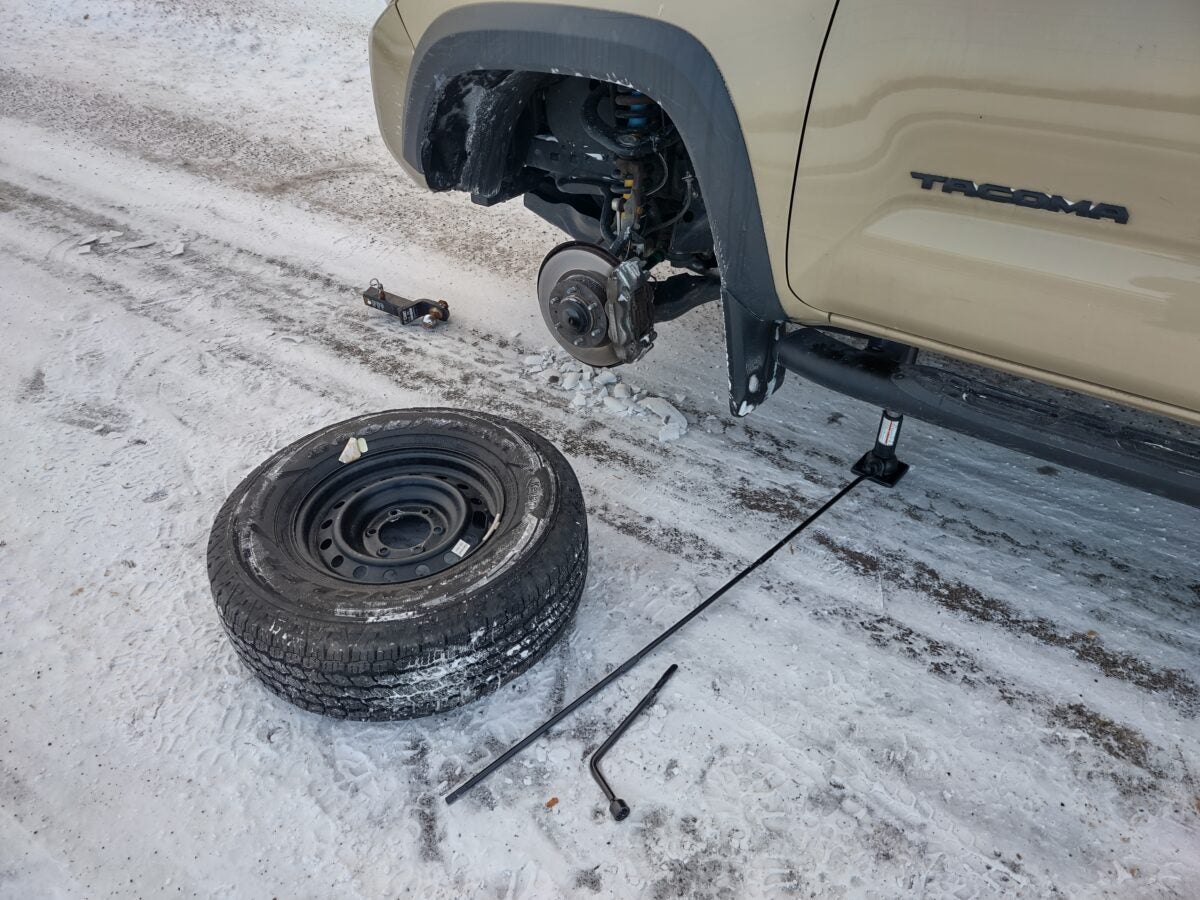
(672, 431)
(664, 410)
(605, 377)
(621, 391)
(617, 405)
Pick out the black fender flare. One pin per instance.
(667, 64)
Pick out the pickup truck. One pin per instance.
(986, 216)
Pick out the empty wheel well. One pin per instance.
(600, 160)
(667, 64)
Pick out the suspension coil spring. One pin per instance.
(632, 111)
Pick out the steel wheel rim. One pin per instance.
(398, 516)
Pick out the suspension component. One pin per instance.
(631, 109)
(639, 127)
(628, 203)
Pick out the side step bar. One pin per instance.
(1165, 462)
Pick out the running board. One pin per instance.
(1165, 462)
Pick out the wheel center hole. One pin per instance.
(576, 318)
(409, 530)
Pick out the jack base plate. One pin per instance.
(885, 472)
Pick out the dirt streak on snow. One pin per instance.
(985, 682)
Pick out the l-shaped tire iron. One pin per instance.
(618, 807)
(879, 464)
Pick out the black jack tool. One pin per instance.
(425, 312)
(618, 807)
(879, 465)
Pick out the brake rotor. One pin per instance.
(572, 290)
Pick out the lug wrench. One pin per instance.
(618, 807)
(624, 667)
(879, 465)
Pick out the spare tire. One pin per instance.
(436, 567)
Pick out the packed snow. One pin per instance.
(985, 682)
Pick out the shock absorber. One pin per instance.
(633, 112)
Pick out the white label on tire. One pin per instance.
(461, 548)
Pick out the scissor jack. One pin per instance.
(879, 465)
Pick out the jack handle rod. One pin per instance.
(624, 667)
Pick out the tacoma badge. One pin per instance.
(998, 193)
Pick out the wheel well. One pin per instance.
(597, 158)
(662, 61)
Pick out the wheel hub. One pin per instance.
(572, 290)
(577, 310)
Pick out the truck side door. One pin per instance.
(1017, 180)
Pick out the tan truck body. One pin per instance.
(1020, 103)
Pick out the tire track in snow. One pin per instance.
(1174, 685)
(1124, 744)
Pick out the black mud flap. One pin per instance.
(754, 370)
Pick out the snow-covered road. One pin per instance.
(985, 682)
